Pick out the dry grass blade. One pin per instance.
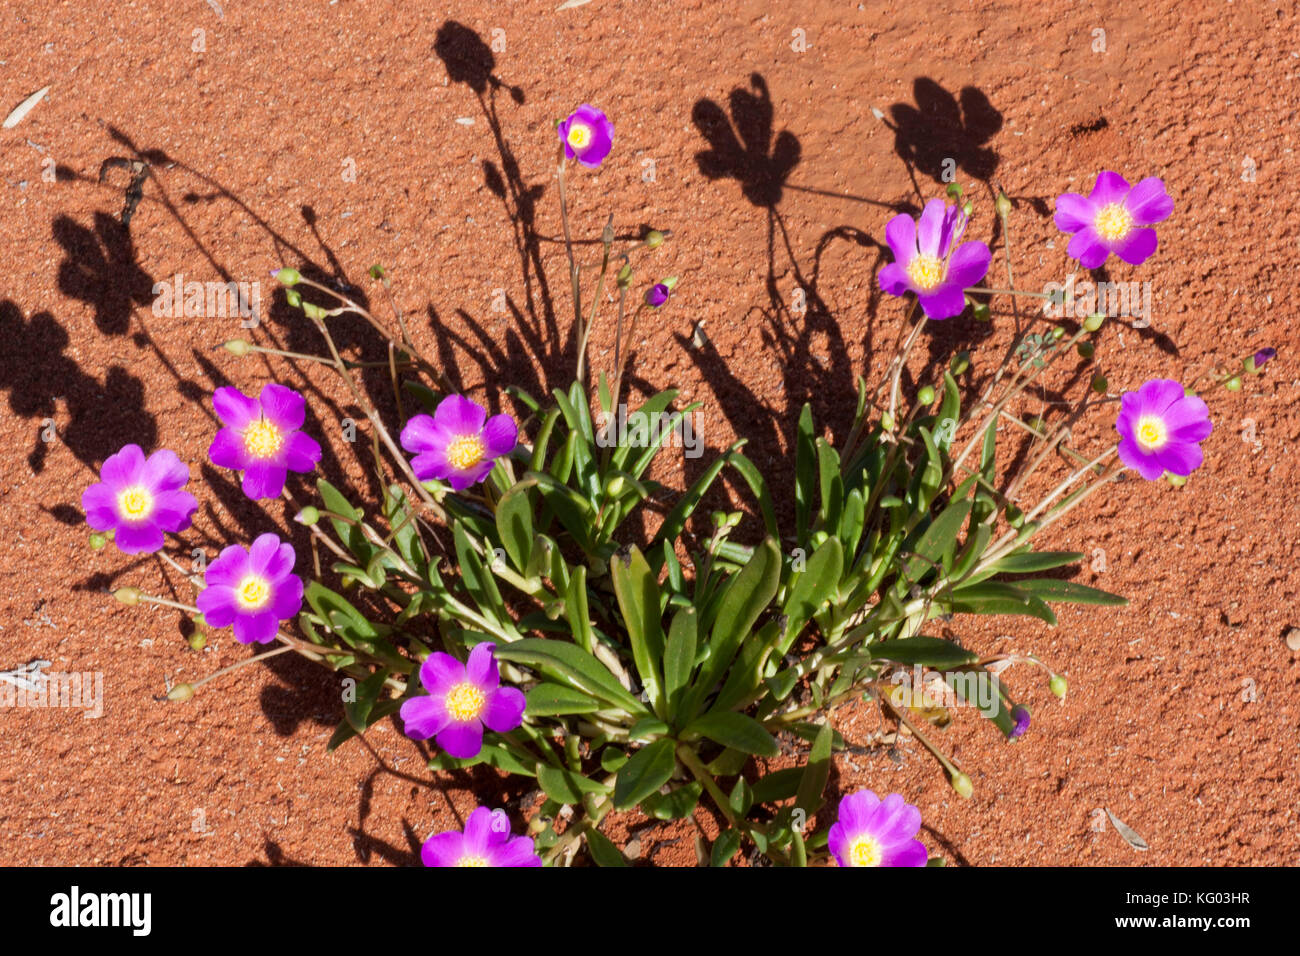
(1127, 832)
(570, 4)
(25, 107)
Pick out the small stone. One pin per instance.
(1293, 638)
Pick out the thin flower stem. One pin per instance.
(1011, 292)
(192, 578)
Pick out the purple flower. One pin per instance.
(459, 442)
(1021, 717)
(1114, 218)
(657, 295)
(462, 698)
(872, 832)
(929, 262)
(485, 842)
(588, 136)
(254, 589)
(139, 498)
(261, 437)
(1160, 429)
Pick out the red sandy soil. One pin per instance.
(249, 142)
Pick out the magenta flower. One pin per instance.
(657, 295)
(139, 498)
(458, 443)
(588, 136)
(872, 832)
(1160, 429)
(254, 589)
(1115, 217)
(485, 842)
(929, 262)
(462, 699)
(261, 437)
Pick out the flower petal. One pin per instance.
(422, 718)
(500, 435)
(301, 452)
(460, 416)
(122, 469)
(440, 672)
(264, 479)
(419, 435)
(257, 628)
(930, 228)
(1178, 458)
(442, 849)
(282, 406)
(462, 740)
(217, 603)
(893, 279)
(1144, 463)
(481, 668)
(1137, 247)
(234, 408)
(909, 853)
(1073, 212)
(1110, 187)
(943, 303)
(900, 233)
(1088, 248)
(138, 539)
(1148, 203)
(164, 471)
(968, 264)
(504, 710)
(518, 851)
(100, 504)
(227, 450)
(173, 510)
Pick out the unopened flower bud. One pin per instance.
(181, 692)
(1099, 384)
(654, 239)
(980, 312)
(657, 295)
(962, 785)
(615, 486)
(96, 541)
(1003, 205)
(1058, 333)
(198, 641)
(887, 422)
(954, 191)
(286, 276)
(926, 395)
(1020, 715)
(1086, 350)
(967, 209)
(960, 362)
(1233, 384)
(313, 311)
(238, 347)
(293, 297)
(1059, 686)
(308, 516)
(1093, 322)
(625, 276)
(127, 595)
(1176, 480)
(1257, 361)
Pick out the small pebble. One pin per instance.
(1293, 638)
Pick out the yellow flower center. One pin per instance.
(253, 592)
(579, 135)
(262, 439)
(1151, 432)
(472, 861)
(864, 851)
(465, 702)
(135, 503)
(1113, 222)
(926, 272)
(465, 452)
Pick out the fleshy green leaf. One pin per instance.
(649, 769)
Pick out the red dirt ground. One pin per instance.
(268, 118)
